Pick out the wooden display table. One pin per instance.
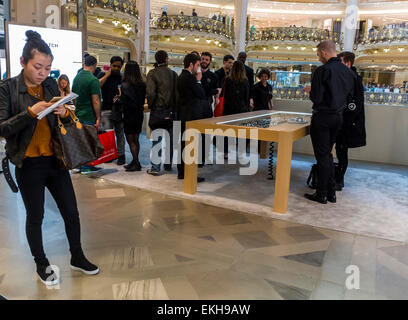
(284, 134)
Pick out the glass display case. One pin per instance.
(270, 120)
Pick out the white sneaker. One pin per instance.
(76, 171)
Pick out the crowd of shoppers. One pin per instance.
(112, 100)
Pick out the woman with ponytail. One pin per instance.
(29, 148)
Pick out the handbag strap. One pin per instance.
(73, 117)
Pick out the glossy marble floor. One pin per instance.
(151, 246)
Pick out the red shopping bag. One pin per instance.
(111, 151)
(219, 108)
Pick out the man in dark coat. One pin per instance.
(225, 70)
(190, 94)
(352, 133)
(332, 85)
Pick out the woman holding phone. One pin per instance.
(29, 148)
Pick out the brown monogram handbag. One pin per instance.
(76, 144)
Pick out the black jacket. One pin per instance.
(16, 123)
(133, 97)
(332, 87)
(262, 95)
(210, 86)
(236, 97)
(220, 73)
(190, 97)
(354, 116)
(250, 76)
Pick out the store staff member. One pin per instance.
(332, 85)
(352, 133)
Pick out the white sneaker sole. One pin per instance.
(49, 283)
(89, 273)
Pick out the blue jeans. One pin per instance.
(156, 167)
(91, 123)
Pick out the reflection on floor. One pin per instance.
(374, 202)
(151, 246)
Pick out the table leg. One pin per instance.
(264, 149)
(282, 183)
(190, 169)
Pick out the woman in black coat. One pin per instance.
(236, 96)
(133, 94)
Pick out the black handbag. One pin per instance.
(117, 109)
(313, 176)
(76, 144)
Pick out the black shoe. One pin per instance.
(331, 197)
(121, 161)
(167, 167)
(316, 197)
(81, 263)
(130, 164)
(200, 165)
(152, 172)
(339, 187)
(47, 275)
(135, 167)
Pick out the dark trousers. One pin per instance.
(180, 165)
(342, 156)
(323, 131)
(36, 175)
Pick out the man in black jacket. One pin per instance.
(190, 93)
(225, 70)
(209, 82)
(352, 133)
(332, 85)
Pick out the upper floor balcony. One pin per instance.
(301, 34)
(192, 24)
(385, 36)
(124, 6)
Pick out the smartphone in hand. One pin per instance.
(55, 99)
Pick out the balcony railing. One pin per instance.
(385, 98)
(384, 35)
(293, 34)
(183, 22)
(125, 6)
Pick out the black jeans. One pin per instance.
(342, 156)
(323, 131)
(36, 175)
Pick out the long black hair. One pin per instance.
(132, 73)
(35, 43)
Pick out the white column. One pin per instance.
(350, 26)
(241, 9)
(143, 48)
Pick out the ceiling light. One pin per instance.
(197, 39)
(401, 49)
(116, 22)
(386, 50)
(302, 48)
(375, 51)
(208, 41)
(168, 39)
(289, 48)
(264, 48)
(314, 49)
(220, 45)
(276, 47)
(182, 38)
(216, 42)
(100, 19)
